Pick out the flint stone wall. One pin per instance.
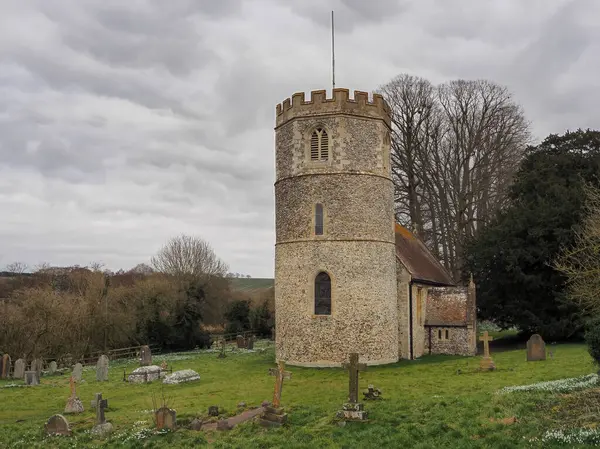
(458, 342)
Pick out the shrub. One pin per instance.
(592, 337)
(237, 316)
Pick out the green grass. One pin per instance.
(250, 284)
(426, 403)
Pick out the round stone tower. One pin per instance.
(335, 255)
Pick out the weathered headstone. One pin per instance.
(536, 348)
(77, 372)
(486, 363)
(222, 344)
(57, 425)
(145, 356)
(213, 410)
(166, 418)
(19, 371)
(74, 404)
(32, 378)
(274, 415)
(241, 342)
(37, 365)
(353, 410)
(102, 428)
(52, 367)
(97, 398)
(250, 342)
(102, 369)
(5, 370)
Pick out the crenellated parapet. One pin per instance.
(341, 103)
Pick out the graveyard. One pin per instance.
(435, 401)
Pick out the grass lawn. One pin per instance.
(426, 404)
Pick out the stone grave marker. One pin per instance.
(5, 370)
(274, 416)
(213, 410)
(102, 428)
(77, 372)
(486, 363)
(52, 367)
(57, 425)
(222, 348)
(372, 393)
(32, 378)
(94, 403)
(74, 404)
(250, 342)
(37, 366)
(166, 418)
(19, 371)
(241, 343)
(102, 369)
(353, 410)
(145, 356)
(536, 348)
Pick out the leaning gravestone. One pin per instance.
(32, 378)
(52, 367)
(77, 372)
(145, 356)
(536, 348)
(5, 371)
(19, 371)
(165, 418)
(37, 366)
(57, 425)
(102, 369)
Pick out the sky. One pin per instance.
(126, 123)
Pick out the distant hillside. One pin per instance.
(250, 284)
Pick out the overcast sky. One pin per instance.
(123, 123)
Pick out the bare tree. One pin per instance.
(188, 257)
(455, 148)
(17, 267)
(581, 263)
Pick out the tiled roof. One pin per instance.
(418, 260)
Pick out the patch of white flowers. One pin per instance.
(558, 386)
(573, 436)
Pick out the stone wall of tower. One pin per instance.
(357, 248)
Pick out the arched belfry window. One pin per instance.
(318, 219)
(322, 294)
(319, 145)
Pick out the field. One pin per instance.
(251, 284)
(438, 401)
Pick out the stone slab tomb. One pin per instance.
(178, 377)
(536, 348)
(145, 374)
(57, 425)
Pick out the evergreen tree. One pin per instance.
(512, 258)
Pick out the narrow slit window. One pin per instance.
(447, 334)
(319, 219)
(319, 145)
(322, 294)
(439, 334)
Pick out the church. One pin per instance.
(348, 278)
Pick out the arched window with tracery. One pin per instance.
(319, 145)
(322, 294)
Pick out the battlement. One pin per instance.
(341, 103)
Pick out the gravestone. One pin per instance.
(52, 367)
(486, 363)
(250, 342)
(241, 343)
(32, 378)
(166, 418)
(145, 374)
(57, 425)
(102, 428)
(213, 410)
(353, 410)
(179, 377)
(102, 369)
(37, 366)
(97, 398)
(222, 349)
(274, 416)
(77, 372)
(145, 356)
(536, 348)
(5, 370)
(74, 404)
(19, 371)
